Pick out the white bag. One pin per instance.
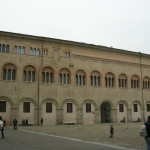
(142, 131)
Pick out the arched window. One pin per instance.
(19, 49)
(67, 54)
(45, 52)
(31, 51)
(29, 74)
(109, 80)
(80, 77)
(23, 50)
(95, 78)
(135, 82)
(34, 51)
(47, 75)
(15, 49)
(4, 48)
(64, 76)
(146, 83)
(122, 81)
(9, 72)
(37, 52)
(7, 48)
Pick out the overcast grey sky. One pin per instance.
(123, 24)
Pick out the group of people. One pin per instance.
(25, 122)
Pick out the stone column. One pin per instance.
(79, 116)
(113, 115)
(37, 115)
(97, 116)
(129, 115)
(59, 116)
(143, 119)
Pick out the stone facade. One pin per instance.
(69, 82)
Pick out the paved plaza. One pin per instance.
(28, 140)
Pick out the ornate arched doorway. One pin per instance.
(105, 112)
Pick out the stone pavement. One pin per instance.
(26, 140)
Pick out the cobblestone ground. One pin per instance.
(126, 134)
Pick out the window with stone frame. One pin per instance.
(26, 107)
(80, 78)
(67, 54)
(95, 78)
(4, 48)
(109, 80)
(122, 81)
(48, 107)
(47, 75)
(146, 83)
(69, 108)
(121, 107)
(2, 106)
(19, 49)
(34, 51)
(88, 107)
(148, 107)
(135, 82)
(29, 74)
(45, 52)
(64, 76)
(9, 72)
(135, 107)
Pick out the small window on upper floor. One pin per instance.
(34, 51)
(4, 48)
(19, 49)
(45, 52)
(67, 54)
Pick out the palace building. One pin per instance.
(66, 82)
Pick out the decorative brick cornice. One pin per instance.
(72, 43)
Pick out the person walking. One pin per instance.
(111, 131)
(27, 122)
(145, 132)
(2, 127)
(41, 121)
(15, 122)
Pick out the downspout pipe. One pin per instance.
(141, 72)
(38, 85)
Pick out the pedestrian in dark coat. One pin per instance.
(111, 131)
(15, 122)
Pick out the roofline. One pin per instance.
(73, 43)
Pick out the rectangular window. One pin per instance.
(88, 107)
(49, 107)
(121, 108)
(69, 108)
(26, 107)
(135, 108)
(148, 107)
(2, 106)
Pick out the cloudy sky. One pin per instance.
(122, 24)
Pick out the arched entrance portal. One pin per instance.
(105, 113)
